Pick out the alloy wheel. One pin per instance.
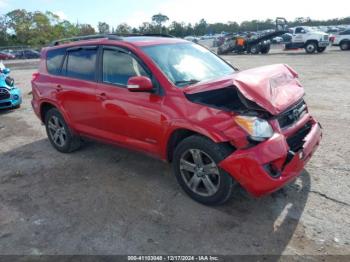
(57, 131)
(199, 172)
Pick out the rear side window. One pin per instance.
(81, 64)
(119, 66)
(54, 61)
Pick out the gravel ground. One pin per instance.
(108, 200)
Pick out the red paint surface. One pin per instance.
(145, 121)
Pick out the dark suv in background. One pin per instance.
(27, 54)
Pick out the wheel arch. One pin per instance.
(46, 105)
(44, 108)
(179, 134)
(344, 41)
(311, 41)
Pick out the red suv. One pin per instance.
(178, 101)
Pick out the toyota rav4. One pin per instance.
(176, 100)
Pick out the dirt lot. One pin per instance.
(107, 200)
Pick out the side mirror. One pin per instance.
(140, 84)
(6, 71)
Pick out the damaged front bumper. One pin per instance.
(270, 165)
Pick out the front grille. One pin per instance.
(325, 38)
(5, 104)
(4, 94)
(296, 141)
(292, 115)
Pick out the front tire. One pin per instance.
(310, 47)
(265, 49)
(255, 49)
(219, 51)
(59, 134)
(196, 168)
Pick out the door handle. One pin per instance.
(59, 88)
(102, 96)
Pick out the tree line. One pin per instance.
(21, 27)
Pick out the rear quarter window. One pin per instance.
(54, 60)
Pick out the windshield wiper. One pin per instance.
(190, 82)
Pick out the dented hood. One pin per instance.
(273, 87)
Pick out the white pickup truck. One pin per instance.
(307, 38)
(342, 40)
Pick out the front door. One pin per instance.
(130, 118)
(298, 36)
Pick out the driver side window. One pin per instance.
(299, 30)
(119, 66)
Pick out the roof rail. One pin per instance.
(85, 37)
(142, 34)
(158, 35)
(109, 36)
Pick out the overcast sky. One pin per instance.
(134, 12)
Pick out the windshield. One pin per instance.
(187, 63)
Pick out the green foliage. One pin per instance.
(201, 27)
(21, 27)
(159, 19)
(20, 21)
(86, 29)
(123, 29)
(103, 28)
(147, 28)
(178, 29)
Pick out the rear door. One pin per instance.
(132, 118)
(76, 88)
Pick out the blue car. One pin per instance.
(10, 95)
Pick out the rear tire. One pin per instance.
(311, 47)
(345, 45)
(195, 165)
(59, 134)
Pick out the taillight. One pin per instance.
(35, 76)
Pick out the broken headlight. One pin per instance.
(257, 128)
